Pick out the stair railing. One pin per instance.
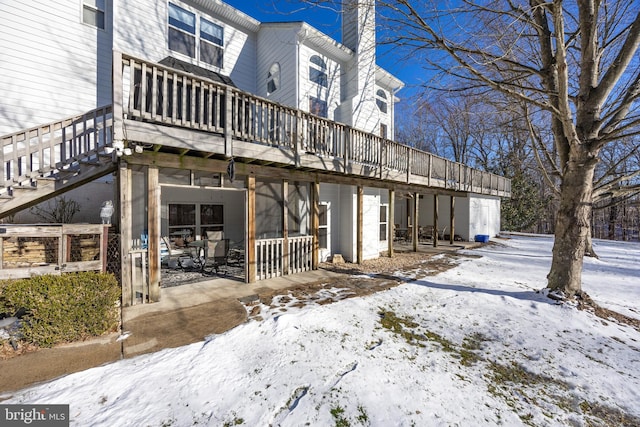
(44, 151)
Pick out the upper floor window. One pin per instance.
(211, 43)
(318, 107)
(381, 100)
(208, 42)
(93, 13)
(273, 78)
(318, 70)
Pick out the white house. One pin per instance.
(274, 134)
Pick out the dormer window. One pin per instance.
(381, 100)
(273, 78)
(318, 71)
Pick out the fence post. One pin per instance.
(104, 245)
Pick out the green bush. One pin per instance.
(66, 308)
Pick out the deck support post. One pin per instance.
(452, 220)
(359, 226)
(285, 227)
(315, 223)
(391, 232)
(414, 229)
(124, 181)
(250, 258)
(435, 220)
(153, 230)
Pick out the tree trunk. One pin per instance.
(572, 226)
(588, 250)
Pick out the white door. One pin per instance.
(324, 231)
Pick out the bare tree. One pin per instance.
(574, 63)
(61, 211)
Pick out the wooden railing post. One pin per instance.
(345, 148)
(298, 138)
(118, 114)
(228, 122)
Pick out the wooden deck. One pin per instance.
(165, 110)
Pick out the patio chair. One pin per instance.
(171, 255)
(217, 254)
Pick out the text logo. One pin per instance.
(34, 415)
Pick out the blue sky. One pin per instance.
(327, 21)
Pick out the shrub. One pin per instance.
(65, 308)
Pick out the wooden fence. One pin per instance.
(28, 250)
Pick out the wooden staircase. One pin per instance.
(48, 160)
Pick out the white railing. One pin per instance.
(269, 261)
(273, 261)
(139, 267)
(300, 251)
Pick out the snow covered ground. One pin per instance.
(473, 346)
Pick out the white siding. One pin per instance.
(473, 215)
(484, 213)
(330, 94)
(278, 45)
(141, 31)
(50, 62)
(90, 198)
(425, 214)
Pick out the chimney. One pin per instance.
(359, 35)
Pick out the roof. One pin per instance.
(177, 64)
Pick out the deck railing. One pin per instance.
(159, 94)
(273, 261)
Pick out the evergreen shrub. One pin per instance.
(65, 308)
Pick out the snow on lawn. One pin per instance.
(476, 345)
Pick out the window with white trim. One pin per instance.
(318, 71)
(384, 222)
(211, 43)
(195, 36)
(273, 78)
(93, 12)
(381, 100)
(323, 226)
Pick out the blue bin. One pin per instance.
(482, 238)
